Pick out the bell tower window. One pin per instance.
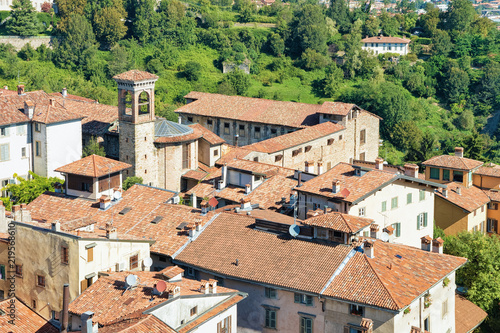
(143, 103)
(127, 101)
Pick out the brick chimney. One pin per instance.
(369, 248)
(459, 152)
(16, 212)
(86, 318)
(20, 89)
(411, 170)
(367, 325)
(64, 92)
(374, 231)
(52, 101)
(111, 232)
(320, 168)
(379, 163)
(213, 286)
(65, 314)
(204, 286)
(191, 227)
(204, 207)
(309, 166)
(335, 186)
(25, 213)
(245, 204)
(437, 245)
(104, 202)
(425, 243)
(29, 108)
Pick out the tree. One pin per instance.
(192, 71)
(109, 25)
(309, 30)
(460, 15)
(246, 8)
(474, 146)
(311, 59)
(238, 80)
(93, 148)
(441, 43)
(455, 85)
(119, 62)
(67, 8)
(28, 190)
(372, 26)
(131, 181)
(333, 80)
(481, 274)
(389, 24)
(339, 13)
(352, 55)
(23, 21)
(78, 45)
(276, 44)
(145, 22)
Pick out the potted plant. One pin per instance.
(427, 301)
(407, 310)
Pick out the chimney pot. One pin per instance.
(425, 243)
(299, 183)
(437, 245)
(379, 163)
(445, 192)
(459, 151)
(320, 168)
(335, 186)
(64, 92)
(374, 231)
(87, 322)
(411, 170)
(56, 226)
(111, 233)
(248, 188)
(20, 89)
(369, 249)
(223, 180)
(52, 101)
(65, 315)
(459, 190)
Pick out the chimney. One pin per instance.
(459, 190)
(248, 189)
(309, 167)
(369, 248)
(213, 285)
(379, 163)
(367, 325)
(411, 170)
(459, 152)
(29, 108)
(16, 212)
(87, 322)
(445, 192)
(20, 89)
(425, 243)
(197, 226)
(52, 101)
(193, 200)
(325, 210)
(245, 204)
(437, 245)
(64, 319)
(25, 213)
(236, 137)
(223, 179)
(104, 202)
(111, 232)
(3, 219)
(299, 182)
(204, 287)
(204, 207)
(320, 168)
(335, 186)
(191, 227)
(374, 231)
(5, 87)
(64, 92)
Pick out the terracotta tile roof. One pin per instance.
(135, 75)
(494, 195)
(94, 166)
(385, 281)
(383, 39)
(72, 97)
(356, 186)
(171, 271)
(338, 221)
(468, 316)
(249, 109)
(489, 169)
(208, 135)
(296, 138)
(453, 162)
(195, 174)
(232, 153)
(26, 319)
(336, 108)
(269, 215)
(469, 198)
(262, 257)
(111, 304)
(141, 324)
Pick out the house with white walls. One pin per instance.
(383, 44)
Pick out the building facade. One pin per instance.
(382, 44)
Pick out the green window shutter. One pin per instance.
(425, 219)
(309, 300)
(384, 206)
(297, 298)
(398, 229)
(418, 222)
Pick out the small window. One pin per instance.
(329, 142)
(421, 195)
(40, 281)
(321, 233)
(361, 211)
(434, 173)
(306, 325)
(278, 158)
(4, 152)
(409, 198)
(340, 137)
(4, 131)
(271, 293)
(216, 152)
(270, 318)
(2, 272)
(86, 187)
(256, 159)
(241, 131)
(446, 174)
(356, 310)
(482, 208)
(397, 229)
(394, 203)
(421, 221)
(274, 132)
(362, 136)
(23, 152)
(226, 128)
(38, 148)
(190, 272)
(307, 148)
(134, 261)
(304, 299)
(19, 270)
(209, 122)
(458, 176)
(33, 304)
(384, 206)
(493, 205)
(257, 132)
(38, 127)
(296, 152)
(427, 324)
(362, 157)
(193, 311)
(64, 255)
(491, 226)
(444, 309)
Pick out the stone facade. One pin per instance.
(171, 165)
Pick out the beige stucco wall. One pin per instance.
(170, 164)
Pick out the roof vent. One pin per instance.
(125, 210)
(157, 219)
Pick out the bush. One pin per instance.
(192, 71)
(46, 7)
(130, 181)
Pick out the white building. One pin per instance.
(382, 44)
(402, 205)
(37, 133)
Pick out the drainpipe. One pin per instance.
(64, 322)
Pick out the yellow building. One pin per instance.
(487, 178)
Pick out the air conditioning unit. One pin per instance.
(176, 199)
(120, 266)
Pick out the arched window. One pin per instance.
(143, 103)
(127, 101)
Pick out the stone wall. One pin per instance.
(18, 42)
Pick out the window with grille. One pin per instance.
(134, 261)
(257, 133)
(64, 255)
(227, 128)
(306, 325)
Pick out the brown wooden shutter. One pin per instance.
(83, 285)
(90, 254)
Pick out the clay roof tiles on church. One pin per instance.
(135, 75)
(208, 135)
(93, 166)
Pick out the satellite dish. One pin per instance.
(148, 262)
(384, 237)
(161, 286)
(117, 195)
(294, 230)
(131, 280)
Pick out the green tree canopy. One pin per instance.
(28, 190)
(339, 13)
(130, 181)
(238, 80)
(309, 30)
(23, 20)
(109, 25)
(460, 15)
(93, 148)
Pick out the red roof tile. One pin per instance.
(453, 162)
(338, 221)
(468, 316)
(469, 198)
(208, 135)
(140, 324)
(383, 39)
(296, 138)
(491, 169)
(135, 75)
(336, 108)
(94, 166)
(26, 320)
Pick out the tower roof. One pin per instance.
(135, 75)
(167, 128)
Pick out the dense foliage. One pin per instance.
(130, 181)
(93, 148)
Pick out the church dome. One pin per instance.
(169, 131)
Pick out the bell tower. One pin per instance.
(136, 110)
